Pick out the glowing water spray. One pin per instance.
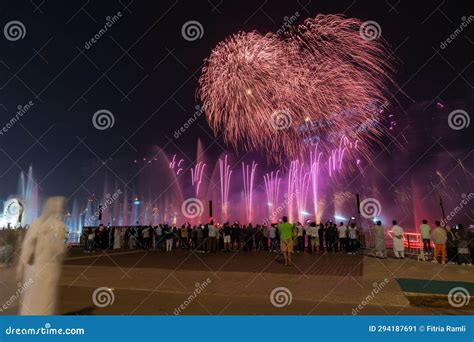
(196, 177)
(272, 187)
(248, 175)
(315, 160)
(225, 175)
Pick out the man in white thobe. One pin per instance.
(379, 233)
(41, 259)
(117, 238)
(398, 246)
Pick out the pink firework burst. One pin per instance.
(321, 79)
(247, 88)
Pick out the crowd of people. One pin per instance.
(438, 243)
(453, 245)
(227, 237)
(10, 239)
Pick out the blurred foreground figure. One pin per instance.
(41, 259)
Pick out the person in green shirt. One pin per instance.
(286, 236)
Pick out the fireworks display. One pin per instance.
(319, 82)
(248, 77)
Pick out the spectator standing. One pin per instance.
(159, 237)
(398, 244)
(379, 232)
(183, 232)
(425, 231)
(199, 239)
(352, 239)
(342, 235)
(265, 237)
(313, 236)
(212, 237)
(205, 238)
(452, 241)
(286, 236)
(439, 238)
(300, 234)
(272, 233)
(169, 236)
(321, 236)
(227, 237)
(146, 237)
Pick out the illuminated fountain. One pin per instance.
(225, 176)
(248, 175)
(272, 188)
(30, 196)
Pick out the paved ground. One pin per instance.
(253, 262)
(150, 282)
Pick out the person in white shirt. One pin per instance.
(352, 238)
(117, 240)
(90, 241)
(379, 234)
(212, 237)
(398, 246)
(342, 235)
(313, 237)
(425, 231)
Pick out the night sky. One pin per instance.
(145, 73)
